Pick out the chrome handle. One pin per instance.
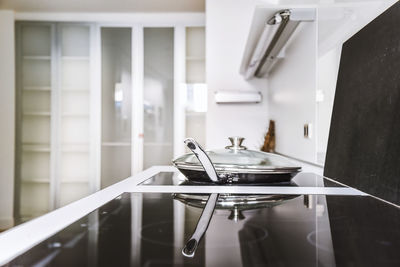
(191, 245)
(199, 152)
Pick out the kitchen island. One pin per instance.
(145, 220)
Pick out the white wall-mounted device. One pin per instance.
(229, 97)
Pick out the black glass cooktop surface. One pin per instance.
(150, 229)
(303, 179)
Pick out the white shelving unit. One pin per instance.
(34, 85)
(82, 92)
(53, 116)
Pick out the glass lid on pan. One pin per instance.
(237, 158)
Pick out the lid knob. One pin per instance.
(236, 143)
(236, 215)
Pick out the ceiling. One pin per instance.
(104, 5)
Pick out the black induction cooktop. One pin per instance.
(150, 229)
(303, 179)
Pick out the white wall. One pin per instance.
(227, 26)
(292, 90)
(7, 119)
(328, 66)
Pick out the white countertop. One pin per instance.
(23, 237)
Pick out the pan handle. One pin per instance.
(191, 245)
(199, 152)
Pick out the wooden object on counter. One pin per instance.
(269, 139)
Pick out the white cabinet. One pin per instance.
(53, 159)
(97, 103)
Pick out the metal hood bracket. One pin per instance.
(266, 41)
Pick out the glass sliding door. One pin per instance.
(74, 113)
(35, 60)
(158, 96)
(116, 104)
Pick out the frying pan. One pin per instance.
(234, 165)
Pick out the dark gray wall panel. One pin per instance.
(364, 139)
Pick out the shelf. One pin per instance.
(38, 113)
(75, 114)
(195, 58)
(35, 181)
(37, 88)
(35, 148)
(78, 90)
(156, 144)
(36, 57)
(75, 58)
(194, 113)
(74, 181)
(116, 144)
(75, 148)
(75, 143)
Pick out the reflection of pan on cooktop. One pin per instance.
(287, 183)
(235, 203)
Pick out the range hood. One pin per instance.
(270, 31)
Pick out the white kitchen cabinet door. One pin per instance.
(116, 121)
(35, 60)
(53, 159)
(158, 96)
(73, 158)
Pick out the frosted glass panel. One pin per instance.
(74, 167)
(158, 96)
(75, 41)
(36, 40)
(75, 102)
(116, 84)
(34, 199)
(73, 191)
(195, 71)
(36, 72)
(36, 129)
(195, 42)
(74, 159)
(116, 105)
(75, 74)
(35, 166)
(75, 129)
(36, 101)
(34, 84)
(115, 164)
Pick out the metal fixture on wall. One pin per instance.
(273, 37)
